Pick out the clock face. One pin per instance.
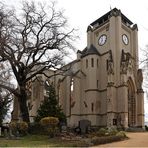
(102, 39)
(125, 39)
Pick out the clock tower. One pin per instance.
(119, 92)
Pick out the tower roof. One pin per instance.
(89, 51)
(106, 17)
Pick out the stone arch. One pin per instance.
(131, 103)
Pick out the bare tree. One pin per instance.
(30, 43)
(144, 65)
(5, 95)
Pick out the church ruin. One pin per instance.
(104, 84)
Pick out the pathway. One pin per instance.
(139, 139)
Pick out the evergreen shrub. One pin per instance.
(50, 107)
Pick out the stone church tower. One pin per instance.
(103, 85)
(111, 90)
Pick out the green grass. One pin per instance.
(38, 141)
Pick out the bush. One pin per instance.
(121, 134)
(49, 121)
(22, 127)
(19, 128)
(13, 127)
(50, 125)
(112, 131)
(101, 132)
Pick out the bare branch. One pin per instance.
(32, 43)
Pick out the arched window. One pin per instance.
(86, 63)
(92, 107)
(92, 62)
(71, 85)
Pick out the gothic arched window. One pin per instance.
(86, 63)
(71, 85)
(92, 62)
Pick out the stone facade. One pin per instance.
(104, 84)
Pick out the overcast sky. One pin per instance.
(81, 13)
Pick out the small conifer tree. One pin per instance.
(50, 107)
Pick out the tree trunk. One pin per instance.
(23, 104)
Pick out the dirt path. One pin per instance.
(135, 140)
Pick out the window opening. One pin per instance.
(86, 63)
(92, 62)
(71, 85)
(92, 107)
(97, 83)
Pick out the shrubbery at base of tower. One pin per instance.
(50, 124)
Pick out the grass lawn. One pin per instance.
(38, 141)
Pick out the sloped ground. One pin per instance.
(138, 139)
